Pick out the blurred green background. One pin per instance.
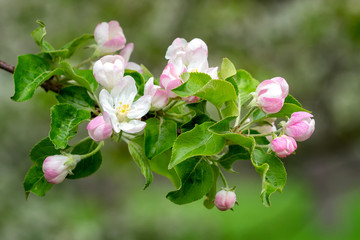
(314, 44)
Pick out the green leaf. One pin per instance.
(235, 153)
(71, 47)
(272, 172)
(146, 73)
(198, 141)
(222, 128)
(213, 90)
(198, 107)
(30, 72)
(77, 97)
(244, 83)
(286, 111)
(160, 135)
(197, 179)
(83, 81)
(136, 149)
(43, 149)
(210, 196)
(199, 119)
(139, 79)
(159, 165)
(89, 165)
(291, 99)
(38, 35)
(230, 109)
(64, 121)
(227, 69)
(89, 76)
(35, 182)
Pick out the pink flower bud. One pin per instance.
(159, 98)
(109, 70)
(109, 37)
(300, 126)
(126, 53)
(170, 77)
(283, 146)
(271, 94)
(225, 200)
(99, 129)
(57, 167)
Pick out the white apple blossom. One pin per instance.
(120, 109)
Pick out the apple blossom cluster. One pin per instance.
(189, 124)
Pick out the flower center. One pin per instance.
(122, 111)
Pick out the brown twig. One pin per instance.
(7, 67)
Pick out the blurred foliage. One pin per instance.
(314, 44)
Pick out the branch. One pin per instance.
(7, 67)
(49, 85)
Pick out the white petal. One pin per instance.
(140, 107)
(101, 33)
(125, 91)
(134, 66)
(132, 126)
(106, 101)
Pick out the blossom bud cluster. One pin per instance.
(270, 97)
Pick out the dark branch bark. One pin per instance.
(7, 67)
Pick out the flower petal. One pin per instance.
(140, 107)
(132, 126)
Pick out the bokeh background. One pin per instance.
(314, 44)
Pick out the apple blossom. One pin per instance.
(300, 126)
(225, 200)
(57, 167)
(270, 94)
(121, 110)
(159, 98)
(126, 53)
(283, 146)
(99, 129)
(109, 70)
(109, 37)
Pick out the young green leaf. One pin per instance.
(199, 119)
(35, 182)
(64, 121)
(71, 47)
(89, 165)
(244, 83)
(89, 76)
(83, 81)
(197, 179)
(43, 149)
(196, 142)
(291, 99)
(30, 72)
(272, 172)
(159, 165)
(227, 69)
(38, 35)
(201, 85)
(77, 97)
(160, 135)
(136, 149)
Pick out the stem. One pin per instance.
(265, 134)
(262, 146)
(170, 105)
(119, 136)
(219, 112)
(237, 121)
(247, 115)
(86, 61)
(7, 67)
(223, 178)
(93, 151)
